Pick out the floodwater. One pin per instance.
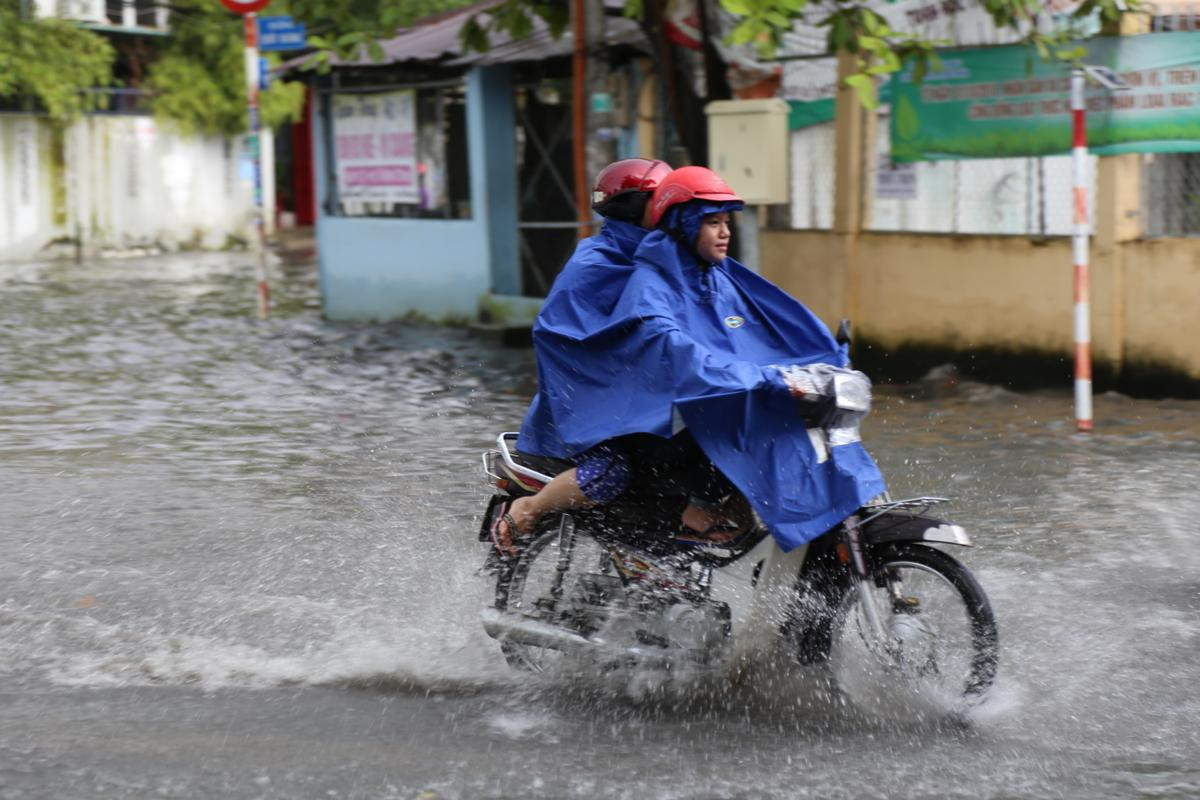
(239, 561)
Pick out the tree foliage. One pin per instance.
(879, 49)
(853, 27)
(348, 28)
(199, 82)
(52, 62)
(515, 17)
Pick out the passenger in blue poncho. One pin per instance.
(690, 367)
(582, 297)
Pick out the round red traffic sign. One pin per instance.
(245, 6)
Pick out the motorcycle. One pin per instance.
(872, 599)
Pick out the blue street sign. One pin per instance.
(281, 33)
(264, 73)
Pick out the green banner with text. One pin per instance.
(1005, 101)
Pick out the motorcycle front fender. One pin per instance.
(901, 527)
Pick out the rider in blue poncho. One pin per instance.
(582, 297)
(692, 353)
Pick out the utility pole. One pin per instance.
(600, 145)
(591, 105)
(248, 9)
(579, 114)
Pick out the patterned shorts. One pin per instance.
(603, 473)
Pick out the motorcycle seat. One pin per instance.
(544, 464)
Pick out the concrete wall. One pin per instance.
(387, 268)
(964, 292)
(115, 182)
(1162, 301)
(999, 291)
(380, 269)
(806, 265)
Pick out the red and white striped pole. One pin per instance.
(253, 76)
(1079, 241)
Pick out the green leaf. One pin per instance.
(920, 69)
(777, 20)
(872, 44)
(858, 80)
(908, 123)
(865, 88)
(744, 32)
(839, 34)
(556, 18)
(739, 8)
(473, 37)
(1073, 54)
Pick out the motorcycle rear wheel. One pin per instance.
(553, 581)
(939, 653)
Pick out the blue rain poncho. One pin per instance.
(702, 346)
(579, 303)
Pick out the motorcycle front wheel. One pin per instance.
(561, 578)
(931, 644)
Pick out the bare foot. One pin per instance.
(699, 519)
(711, 524)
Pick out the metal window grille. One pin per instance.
(1171, 181)
(1171, 194)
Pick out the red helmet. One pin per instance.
(619, 184)
(684, 184)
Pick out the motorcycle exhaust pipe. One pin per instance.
(530, 632)
(522, 630)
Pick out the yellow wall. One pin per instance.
(996, 291)
(1002, 291)
(805, 265)
(1162, 301)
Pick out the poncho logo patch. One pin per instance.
(735, 321)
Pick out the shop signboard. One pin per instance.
(1005, 101)
(375, 146)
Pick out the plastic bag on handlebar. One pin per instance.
(828, 392)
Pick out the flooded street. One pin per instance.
(239, 561)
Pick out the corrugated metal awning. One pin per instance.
(541, 44)
(436, 38)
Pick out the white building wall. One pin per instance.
(114, 183)
(1019, 196)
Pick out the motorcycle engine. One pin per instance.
(698, 628)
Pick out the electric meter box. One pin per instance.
(748, 147)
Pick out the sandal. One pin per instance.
(502, 515)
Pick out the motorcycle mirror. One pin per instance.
(843, 332)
